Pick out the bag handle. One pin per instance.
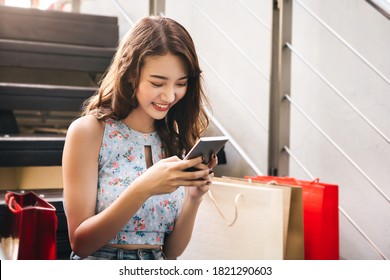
(13, 206)
(294, 180)
(236, 199)
(315, 181)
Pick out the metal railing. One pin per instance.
(343, 41)
(249, 10)
(231, 41)
(123, 12)
(288, 46)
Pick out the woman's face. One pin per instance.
(163, 82)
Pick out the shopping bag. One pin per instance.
(238, 221)
(293, 217)
(320, 211)
(29, 231)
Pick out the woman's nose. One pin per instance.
(168, 95)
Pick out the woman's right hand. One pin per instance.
(170, 173)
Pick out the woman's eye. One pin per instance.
(182, 85)
(156, 85)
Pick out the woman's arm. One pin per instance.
(87, 231)
(176, 242)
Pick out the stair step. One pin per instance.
(19, 53)
(58, 27)
(56, 47)
(19, 150)
(43, 97)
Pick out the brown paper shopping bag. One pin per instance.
(238, 221)
(293, 219)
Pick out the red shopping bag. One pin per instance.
(320, 215)
(30, 227)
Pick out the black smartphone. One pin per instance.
(205, 146)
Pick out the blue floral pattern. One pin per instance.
(121, 161)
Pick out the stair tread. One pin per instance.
(55, 48)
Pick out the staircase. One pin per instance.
(50, 63)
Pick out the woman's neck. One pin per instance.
(139, 123)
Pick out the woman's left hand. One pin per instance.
(196, 193)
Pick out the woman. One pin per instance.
(126, 192)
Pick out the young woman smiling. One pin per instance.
(126, 192)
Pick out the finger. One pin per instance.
(201, 166)
(214, 161)
(209, 176)
(188, 163)
(196, 175)
(194, 183)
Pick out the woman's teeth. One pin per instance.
(162, 106)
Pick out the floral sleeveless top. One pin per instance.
(121, 161)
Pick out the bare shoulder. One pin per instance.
(86, 129)
(88, 124)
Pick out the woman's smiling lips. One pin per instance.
(161, 107)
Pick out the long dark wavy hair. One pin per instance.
(116, 98)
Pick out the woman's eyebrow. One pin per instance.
(165, 78)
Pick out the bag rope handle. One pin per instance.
(236, 199)
(13, 206)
